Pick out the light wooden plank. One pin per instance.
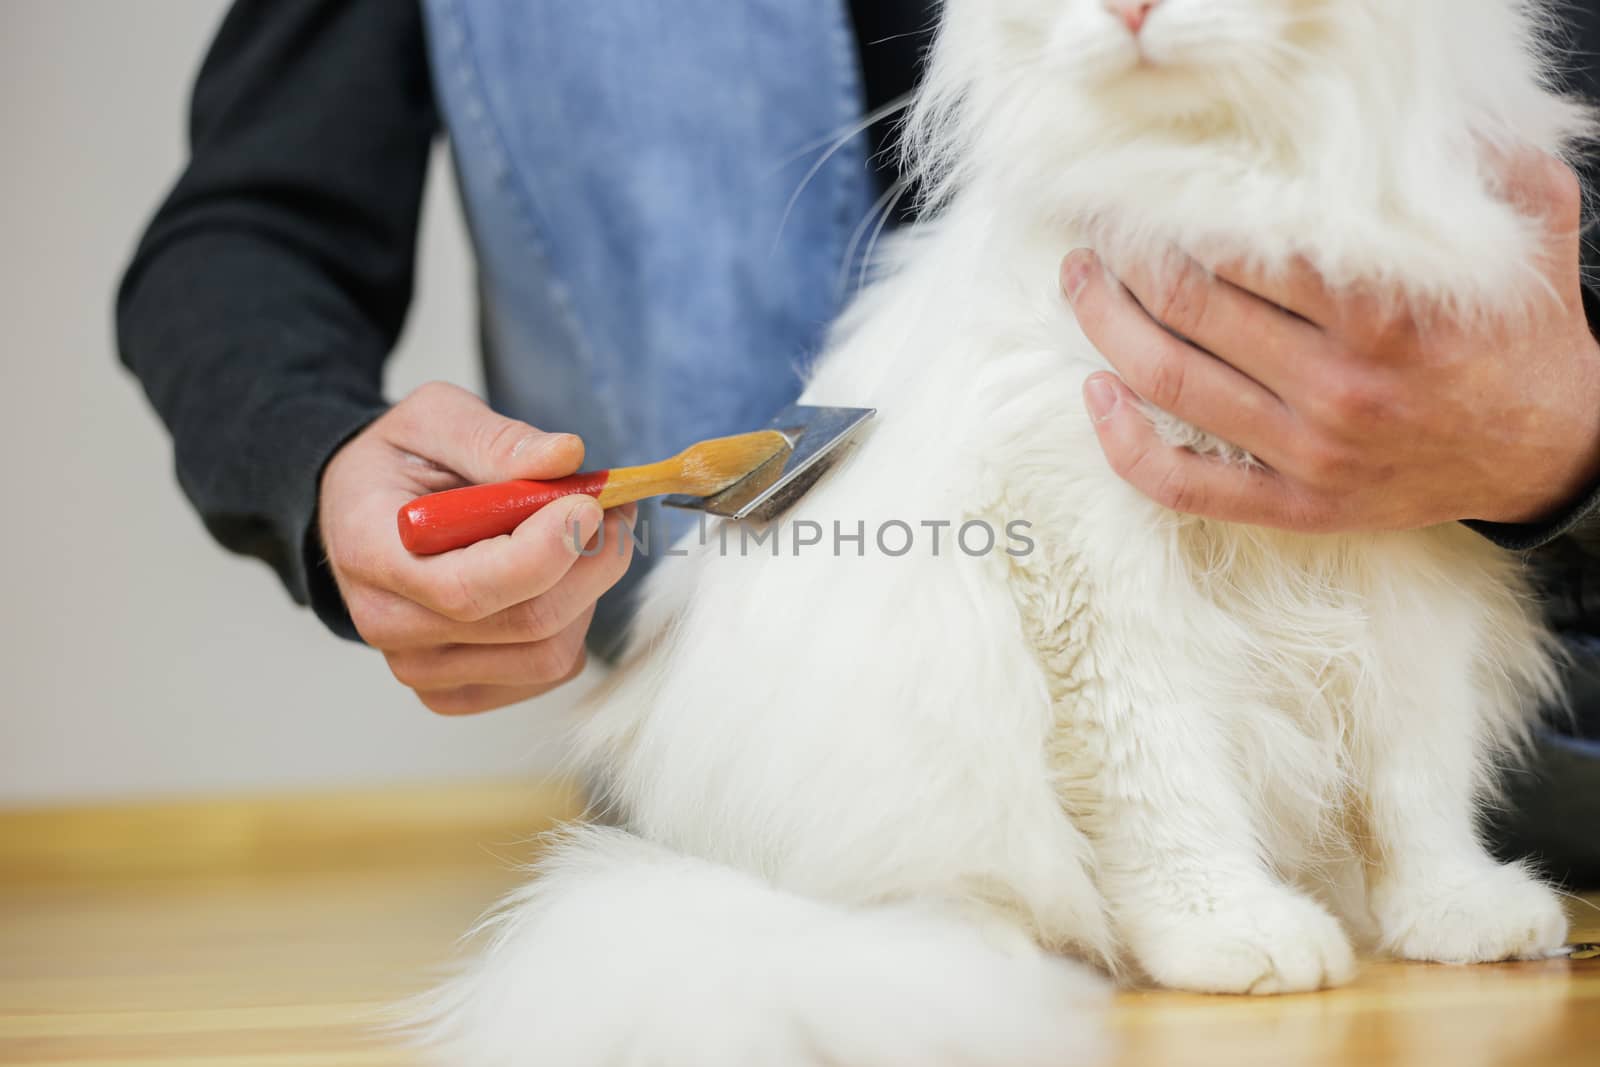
(309, 832)
(283, 938)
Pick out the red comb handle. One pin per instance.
(442, 522)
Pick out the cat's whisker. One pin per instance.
(838, 145)
(898, 191)
(880, 213)
(1580, 900)
(865, 123)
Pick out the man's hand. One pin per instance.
(488, 625)
(1364, 419)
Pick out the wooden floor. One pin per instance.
(271, 934)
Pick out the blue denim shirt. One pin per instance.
(659, 225)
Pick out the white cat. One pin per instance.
(875, 802)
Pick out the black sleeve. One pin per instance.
(267, 292)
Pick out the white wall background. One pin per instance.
(136, 657)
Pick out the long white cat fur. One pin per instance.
(877, 805)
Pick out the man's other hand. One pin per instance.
(1363, 417)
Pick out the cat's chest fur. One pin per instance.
(1290, 648)
(1284, 625)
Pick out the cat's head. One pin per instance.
(1303, 80)
(1160, 61)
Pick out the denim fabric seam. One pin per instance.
(851, 109)
(525, 206)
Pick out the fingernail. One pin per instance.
(585, 508)
(542, 445)
(583, 518)
(1102, 399)
(554, 442)
(1075, 273)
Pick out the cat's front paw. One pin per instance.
(1257, 941)
(1479, 914)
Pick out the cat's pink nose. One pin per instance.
(1133, 13)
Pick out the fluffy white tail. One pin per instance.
(622, 953)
